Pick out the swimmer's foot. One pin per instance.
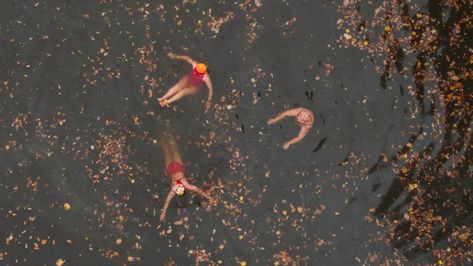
(164, 103)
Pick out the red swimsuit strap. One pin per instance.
(196, 73)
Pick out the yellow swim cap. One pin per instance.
(201, 68)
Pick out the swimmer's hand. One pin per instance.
(208, 104)
(272, 121)
(212, 202)
(172, 55)
(286, 145)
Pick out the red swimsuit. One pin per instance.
(194, 79)
(197, 74)
(174, 168)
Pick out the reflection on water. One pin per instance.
(429, 204)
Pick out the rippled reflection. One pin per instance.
(429, 203)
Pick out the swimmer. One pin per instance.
(190, 83)
(175, 170)
(304, 119)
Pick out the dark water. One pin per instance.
(80, 123)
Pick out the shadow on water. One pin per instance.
(429, 203)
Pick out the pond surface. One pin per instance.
(384, 175)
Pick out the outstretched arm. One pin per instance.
(195, 189)
(292, 112)
(182, 57)
(166, 205)
(302, 133)
(208, 82)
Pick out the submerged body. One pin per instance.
(303, 118)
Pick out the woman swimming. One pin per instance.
(175, 170)
(189, 84)
(304, 119)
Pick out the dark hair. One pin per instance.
(181, 201)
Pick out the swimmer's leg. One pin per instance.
(167, 152)
(173, 90)
(176, 156)
(181, 93)
(168, 144)
(174, 150)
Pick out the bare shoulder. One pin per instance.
(185, 182)
(206, 77)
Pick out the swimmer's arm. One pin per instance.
(182, 57)
(200, 192)
(166, 205)
(292, 112)
(209, 84)
(195, 189)
(302, 133)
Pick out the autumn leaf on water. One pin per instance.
(60, 262)
(290, 22)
